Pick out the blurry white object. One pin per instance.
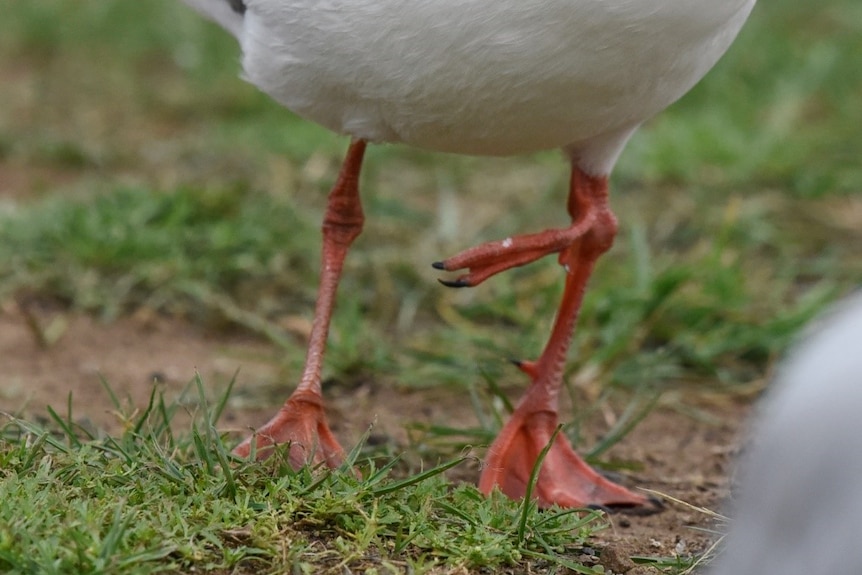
(800, 504)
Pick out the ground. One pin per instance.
(686, 446)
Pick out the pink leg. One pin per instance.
(301, 421)
(565, 479)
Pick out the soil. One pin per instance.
(686, 446)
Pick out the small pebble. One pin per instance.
(616, 559)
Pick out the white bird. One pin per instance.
(485, 77)
(800, 498)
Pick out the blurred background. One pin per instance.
(139, 177)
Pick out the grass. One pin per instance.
(152, 501)
(138, 173)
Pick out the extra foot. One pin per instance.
(564, 480)
(301, 422)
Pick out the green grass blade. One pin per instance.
(528, 504)
(634, 413)
(67, 427)
(419, 478)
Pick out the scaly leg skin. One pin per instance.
(565, 479)
(301, 421)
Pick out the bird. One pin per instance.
(490, 78)
(800, 494)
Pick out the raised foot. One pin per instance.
(489, 259)
(301, 422)
(564, 480)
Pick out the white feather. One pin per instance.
(483, 77)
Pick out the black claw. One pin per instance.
(455, 283)
(516, 362)
(655, 505)
(438, 266)
(656, 502)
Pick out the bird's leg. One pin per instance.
(301, 421)
(565, 479)
(488, 259)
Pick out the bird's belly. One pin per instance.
(474, 77)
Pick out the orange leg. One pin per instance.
(565, 479)
(301, 421)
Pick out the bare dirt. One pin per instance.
(686, 446)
